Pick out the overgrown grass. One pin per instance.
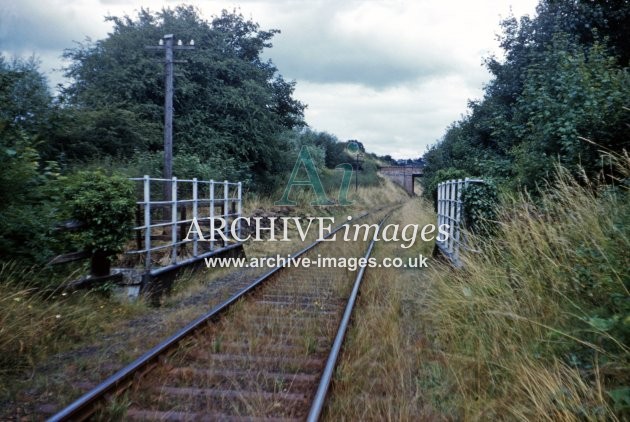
(380, 375)
(50, 343)
(537, 326)
(35, 323)
(363, 199)
(372, 190)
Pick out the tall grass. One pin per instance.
(36, 323)
(381, 375)
(537, 326)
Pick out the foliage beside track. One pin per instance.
(564, 77)
(236, 120)
(538, 325)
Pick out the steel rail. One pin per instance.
(324, 384)
(86, 405)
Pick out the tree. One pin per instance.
(325, 148)
(228, 101)
(563, 77)
(24, 94)
(573, 93)
(24, 211)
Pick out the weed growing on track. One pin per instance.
(50, 361)
(272, 345)
(364, 199)
(380, 372)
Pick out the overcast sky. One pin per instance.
(390, 73)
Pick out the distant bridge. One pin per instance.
(403, 175)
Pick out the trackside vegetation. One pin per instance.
(564, 77)
(534, 326)
(236, 120)
(537, 326)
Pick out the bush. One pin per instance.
(480, 202)
(106, 205)
(537, 327)
(430, 183)
(27, 192)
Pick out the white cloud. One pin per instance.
(399, 120)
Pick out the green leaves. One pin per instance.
(106, 205)
(620, 398)
(562, 79)
(228, 102)
(575, 92)
(431, 181)
(480, 203)
(25, 212)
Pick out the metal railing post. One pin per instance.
(445, 210)
(226, 208)
(211, 214)
(194, 213)
(240, 207)
(440, 204)
(458, 218)
(447, 214)
(174, 221)
(451, 215)
(147, 222)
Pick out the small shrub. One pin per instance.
(106, 205)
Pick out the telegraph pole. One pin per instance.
(168, 109)
(166, 44)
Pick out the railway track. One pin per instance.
(267, 353)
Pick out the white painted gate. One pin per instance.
(162, 226)
(451, 212)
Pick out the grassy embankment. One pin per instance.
(534, 328)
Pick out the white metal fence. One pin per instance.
(162, 225)
(451, 212)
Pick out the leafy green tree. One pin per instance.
(228, 101)
(25, 182)
(326, 149)
(24, 94)
(573, 93)
(81, 135)
(563, 77)
(387, 160)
